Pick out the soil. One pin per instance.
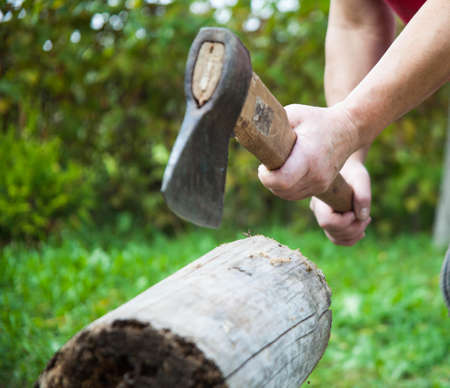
(129, 353)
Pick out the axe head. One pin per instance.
(194, 180)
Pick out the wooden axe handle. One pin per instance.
(262, 126)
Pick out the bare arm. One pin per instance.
(414, 66)
(358, 34)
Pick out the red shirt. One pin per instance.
(406, 9)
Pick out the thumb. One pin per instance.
(362, 196)
(268, 178)
(297, 113)
(263, 173)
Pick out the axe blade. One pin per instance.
(194, 180)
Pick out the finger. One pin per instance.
(345, 242)
(286, 181)
(268, 178)
(351, 232)
(356, 227)
(296, 114)
(292, 194)
(328, 219)
(272, 179)
(362, 196)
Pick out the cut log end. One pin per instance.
(128, 353)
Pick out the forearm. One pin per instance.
(355, 42)
(353, 47)
(414, 66)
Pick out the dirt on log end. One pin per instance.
(129, 353)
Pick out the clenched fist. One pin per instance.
(326, 137)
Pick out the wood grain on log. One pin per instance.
(257, 310)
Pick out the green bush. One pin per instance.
(36, 189)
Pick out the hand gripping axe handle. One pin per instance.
(224, 96)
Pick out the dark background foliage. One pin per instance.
(91, 99)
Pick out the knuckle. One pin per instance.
(321, 183)
(285, 183)
(265, 179)
(325, 224)
(363, 198)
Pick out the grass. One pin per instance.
(390, 325)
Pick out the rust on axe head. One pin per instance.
(194, 180)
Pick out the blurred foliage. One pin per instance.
(36, 191)
(106, 78)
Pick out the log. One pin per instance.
(250, 313)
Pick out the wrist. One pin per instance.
(352, 132)
(362, 120)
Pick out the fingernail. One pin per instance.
(364, 213)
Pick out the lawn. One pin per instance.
(390, 325)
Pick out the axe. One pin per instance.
(225, 97)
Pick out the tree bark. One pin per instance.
(250, 313)
(441, 235)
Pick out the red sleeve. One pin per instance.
(406, 9)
